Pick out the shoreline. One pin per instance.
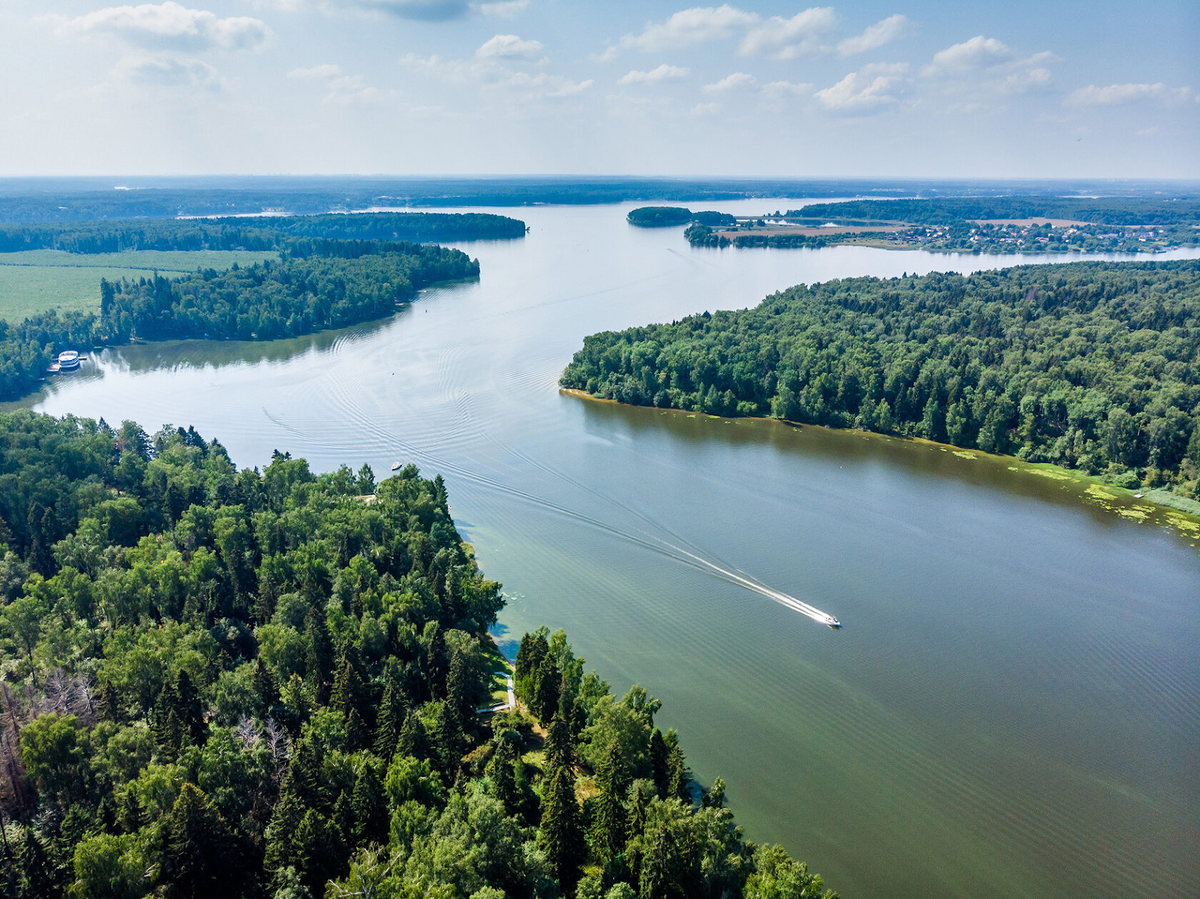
(1183, 520)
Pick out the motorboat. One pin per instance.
(832, 621)
(396, 466)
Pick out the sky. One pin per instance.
(902, 88)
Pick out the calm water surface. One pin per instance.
(1013, 706)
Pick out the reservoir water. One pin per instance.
(1013, 705)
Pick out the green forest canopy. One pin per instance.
(266, 684)
(1093, 365)
(319, 284)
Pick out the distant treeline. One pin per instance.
(272, 233)
(325, 284)
(668, 216)
(72, 200)
(1093, 366)
(947, 210)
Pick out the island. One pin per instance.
(223, 681)
(1091, 366)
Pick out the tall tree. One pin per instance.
(561, 832)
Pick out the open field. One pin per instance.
(38, 280)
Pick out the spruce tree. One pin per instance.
(320, 653)
(559, 748)
(501, 773)
(561, 832)
(265, 688)
(608, 811)
(190, 711)
(391, 716)
(414, 740)
(198, 848)
(369, 803)
(660, 758)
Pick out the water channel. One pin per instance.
(1013, 706)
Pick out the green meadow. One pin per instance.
(38, 280)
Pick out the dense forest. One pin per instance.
(266, 233)
(1094, 366)
(319, 284)
(268, 684)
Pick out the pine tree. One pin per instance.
(561, 832)
(413, 741)
(190, 711)
(559, 748)
(660, 757)
(608, 812)
(545, 690)
(391, 716)
(265, 688)
(198, 848)
(317, 851)
(320, 654)
(451, 743)
(436, 661)
(369, 803)
(501, 773)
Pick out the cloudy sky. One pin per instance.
(898, 88)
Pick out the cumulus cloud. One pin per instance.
(882, 32)
(732, 82)
(984, 63)
(979, 52)
(662, 73)
(781, 38)
(781, 88)
(339, 87)
(864, 91)
(171, 25)
(509, 46)
(504, 9)
(158, 71)
(1119, 94)
(691, 26)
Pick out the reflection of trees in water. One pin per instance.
(220, 353)
(859, 448)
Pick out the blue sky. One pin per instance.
(917, 89)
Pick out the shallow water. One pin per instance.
(1013, 705)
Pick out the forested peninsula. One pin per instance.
(1019, 225)
(252, 684)
(334, 271)
(1092, 366)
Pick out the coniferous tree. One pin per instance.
(320, 654)
(608, 811)
(414, 740)
(189, 710)
(198, 848)
(370, 807)
(561, 830)
(660, 759)
(391, 716)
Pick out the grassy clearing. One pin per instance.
(40, 280)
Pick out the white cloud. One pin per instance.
(706, 109)
(170, 25)
(323, 71)
(1117, 94)
(161, 71)
(781, 38)
(691, 26)
(863, 91)
(504, 9)
(544, 85)
(509, 46)
(979, 52)
(882, 32)
(732, 82)
(662, 73)
(987, 65)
